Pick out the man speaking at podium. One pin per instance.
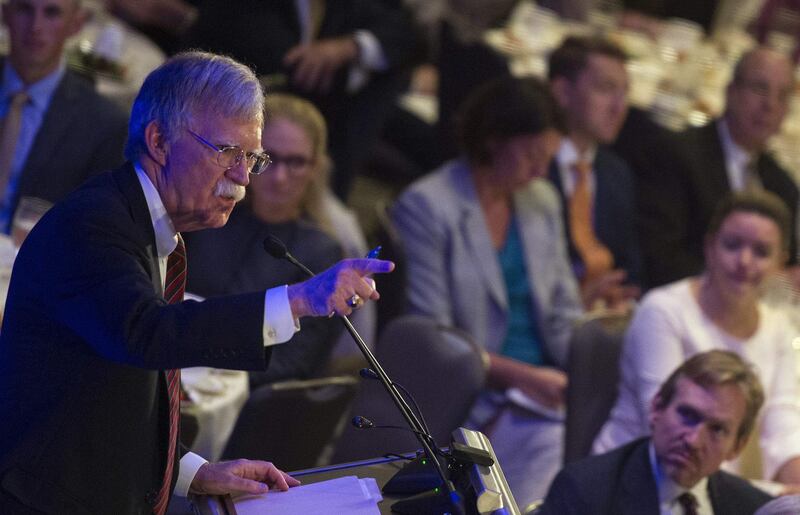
(95, 330)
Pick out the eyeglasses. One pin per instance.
(294, 163)
(230, 156)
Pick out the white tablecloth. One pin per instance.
(216, 398)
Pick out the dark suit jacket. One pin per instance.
(232, 260)
(266, 30)
(678, 194)
(621, 483)
(85, 338)
(614, 211)
(82, 133)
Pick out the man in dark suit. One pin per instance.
(686, 178)
(94, 326)
(68, 131)
(702, 415)
(349, 57)
(588, 79)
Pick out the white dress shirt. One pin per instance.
(566, 158)
(669, 491)
(737, 159)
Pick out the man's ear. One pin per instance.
(156, 142)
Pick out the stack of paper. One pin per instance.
(347, 494)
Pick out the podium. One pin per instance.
(484, 487)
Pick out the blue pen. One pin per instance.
(374, 253)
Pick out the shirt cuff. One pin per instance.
(279, 323)
(370, 52)
(189, 465)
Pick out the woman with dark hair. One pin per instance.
(747, 241)
(484, 241)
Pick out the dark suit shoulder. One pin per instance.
(590, 486)
(733, 495)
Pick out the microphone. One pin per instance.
(360, 422)
(368, 373)
(276, 248)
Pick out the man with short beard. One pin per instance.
(702, 415)
(95, 327)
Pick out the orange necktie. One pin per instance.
(595, 256)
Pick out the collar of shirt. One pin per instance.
(736, 158)
(566, 158)
(669, 491)
(166, 236)
(39, 92)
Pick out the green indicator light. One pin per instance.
(436, 490)
(424, 462)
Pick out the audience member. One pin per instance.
(589, 81)
(290, 200)
(747, 241)
(702, 415)
(678, 192)
(483, 239)
(95, 327)
(350, 58)
(56, 129)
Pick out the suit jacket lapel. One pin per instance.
(132, 191)
(476, 235)
(715, 172)
(638, 495)
(536, 230)
(56, 123)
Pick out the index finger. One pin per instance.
(370, 266)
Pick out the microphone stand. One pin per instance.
(428, 500)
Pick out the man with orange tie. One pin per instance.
(95, 329)
(702, 415)
(588, 79)
(55, 129)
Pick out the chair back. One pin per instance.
(292, 423)
(440, 366)
(593, 370)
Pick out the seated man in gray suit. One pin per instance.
(56, 129)
(702, 415)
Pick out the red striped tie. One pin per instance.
(174, 286)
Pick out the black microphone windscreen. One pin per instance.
(275, 247)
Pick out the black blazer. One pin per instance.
(85, 338)
(621, 483)
(677, 196)
(614, 211)
(82, 134)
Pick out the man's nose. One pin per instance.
(239, 173)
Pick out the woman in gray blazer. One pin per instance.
(485, 246)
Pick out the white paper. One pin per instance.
(347, 494)
(522, 400)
